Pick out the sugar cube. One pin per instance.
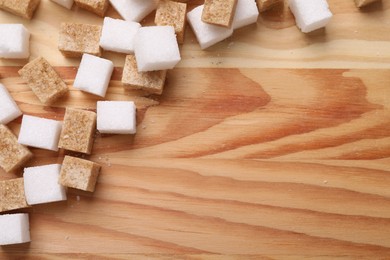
(150, 81)
(134, 10)
(14, 229)
(156, 48)
(246, 13)
(79, 173)
(264, 5)
(172, 14)
(12, 195)
(8, 108)
(98, 7)
(12, 154)
(310, 15)
(22, 8)
(76, 39)
(206, 34)
(93, 75)
(219, 12)
(40, 132)
(118, 35)
(116, 117)
(78, 131)
(41, 184)
(361, 3)
(14, 41)
(43, 80)
(65, 3)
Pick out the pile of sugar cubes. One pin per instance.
(149, 52)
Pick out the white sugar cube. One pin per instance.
(40, 132)
(156, 48)
(134, 10)
(94, 75)
(310, 15)
(118, 35)
(14, 229)
(14, 41)
(65, 3)
(116, 117)
(206, 34)
(246, 13)
(8, 108)
(41, 184)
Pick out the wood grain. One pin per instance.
(270, 145)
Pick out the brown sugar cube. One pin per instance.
(43, 80)
(151, 81)
(219, 12)
(361, 3)
(78, 130)
(171, 13)
(23, 8)
(76, 39)
(98, 7)
(12, 154)
(79, 174)
(12, 195)
(264, 5)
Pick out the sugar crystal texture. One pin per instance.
(246, 13)
(12, 195)
(206, 34)
(65, 3)
(14, 229)
(12, 154)
(14, 41)
(219, 12)
(41, 184)
(98, 7)
(9, 110)
(116, 117)
(134, 10)
(118, 35)
(310, 15)
(156, 48)
(93, 75)
(22, 8)
(40, 132)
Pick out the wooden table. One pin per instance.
(272, 144)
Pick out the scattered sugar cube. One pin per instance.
(40, 132)
(172, 14)
(12, 154)
(264, 5)
(134, 10)
(79, 174)
(118, 35)
(9, 110)
(14, 229)
(150, 81)
(219, 12)
(156, 48)
(78, 131)
(41, 184)
(98, 7)
(206, 34)
(310, 15)
(116, 117)
(93, 75)
(43, 80)
(14, 41)
(361, 3)
(12, 195)
(246, 13)
(76, 39)
(65, 3)
(22, 8)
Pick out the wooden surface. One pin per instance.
(249, 153)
